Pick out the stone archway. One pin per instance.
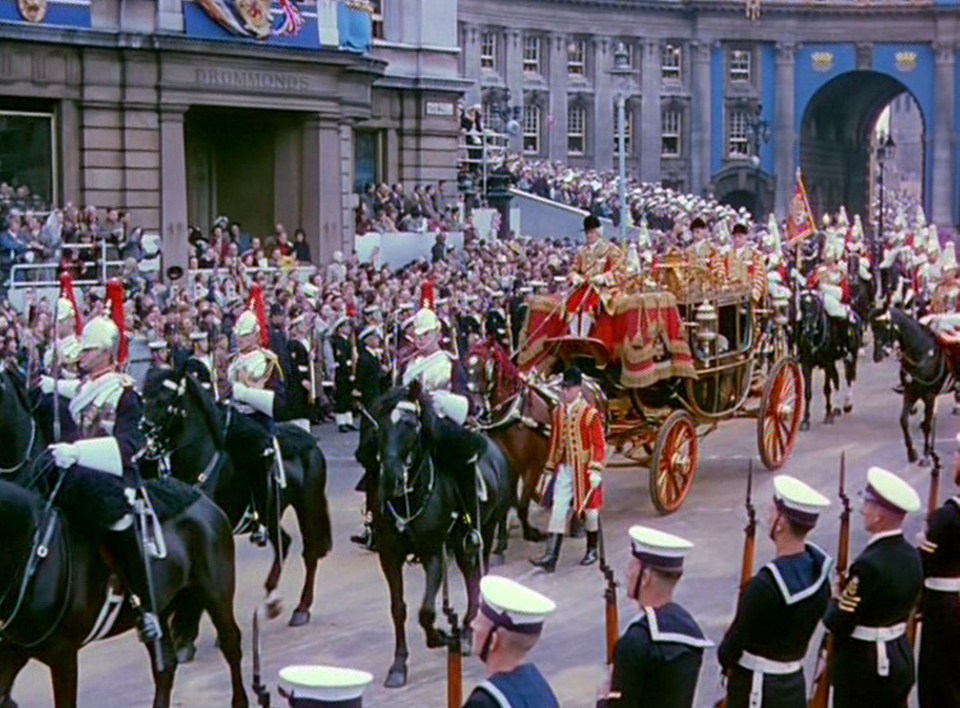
(836, 138)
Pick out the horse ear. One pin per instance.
(415, 391)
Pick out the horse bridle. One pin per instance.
(33, 432)
(410, 482)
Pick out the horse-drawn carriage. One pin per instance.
(677, 352)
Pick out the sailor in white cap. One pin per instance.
(874, 661)
(938, 680)
(341, 342)
(508, 626)
(200, 363)
(763, 650)
(658, 657)
(323, 686)
(301, 386)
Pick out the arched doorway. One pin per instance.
(837, 136)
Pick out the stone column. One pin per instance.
(647, 130)
(783, 138)
(702, 106)
(513, 76)
(941, 190)
(321, 185)
(173, 187)
(603, 136)
(557, 111)
(70, 150)
(471, 63)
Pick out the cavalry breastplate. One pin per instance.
(434, 371)
(94, 408)
(252, 368)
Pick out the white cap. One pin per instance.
(797, 500)
(309, 290)
(888, 490)
(370, 331)
(158, 344)
(247, 323)
(425, 321)
(323, 684)
(198, 335)
(65, 309)
(513, 606)
(100, 333)
(658, 549)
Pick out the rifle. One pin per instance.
(259, 689)
(454, 657)
(820, 693)
(749, 551)
(609, 596)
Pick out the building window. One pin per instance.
(627, 130)
(531, 54)
(671, 61)
(576, 130)
(576, 58)
(486, 115)
(740, 65)
(671, 131)
(738, 142)
(376, 18)
(488, 51)
(27, 160)
(531, 129)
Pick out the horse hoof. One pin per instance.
(805, 425)
(911, 456)
(924, 462)
(847, 410)
(299, 618)
(185, 655)
(396, 678)
(534, 534)
(273, 604)
(437, 639)
(956, 410)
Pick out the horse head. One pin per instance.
(406, 422)
(164, 406)
(18, 428)
(812, 326)
(884, 331)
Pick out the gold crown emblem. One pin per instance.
(822, 61)
(906, 61)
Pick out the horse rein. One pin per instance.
(403, 522)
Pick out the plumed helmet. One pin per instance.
(65, 310)
(425, 321)
(101, 334)
(247, 323)
(70, 351)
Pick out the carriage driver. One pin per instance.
(441, 375)
(99, 487)
(256, 381)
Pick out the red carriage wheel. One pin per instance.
(781, 410)
(673, 464)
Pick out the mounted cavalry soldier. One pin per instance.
(101, 484)
(258, 396)
(830, 280)
(658, 657)
(874, 660)
(944, 317)
(62, 373)
(575, 461)
(763, 650)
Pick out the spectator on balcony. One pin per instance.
(384, 222)
(414, 222)
(283, 245)
(239, 236)
(12, 249)
(249, 256)
(301, 249)
(362, 223)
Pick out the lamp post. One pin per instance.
(759, 131)
(886, 149)
(621, 73)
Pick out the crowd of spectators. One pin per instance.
(424, 209)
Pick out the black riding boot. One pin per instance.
(472, 540)
(590, 557)
(261, 499)
(133, 567)
(548, 561)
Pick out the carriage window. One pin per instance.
(27, 179)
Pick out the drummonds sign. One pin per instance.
(245, 79)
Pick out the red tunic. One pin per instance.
(577, 439)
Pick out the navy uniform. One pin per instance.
(507, 607)
(343, 375)
(200, 365)
(658, 657)
(323, 686)
(873, 661)
(938, 675)
(101, 475)
(259, 397)
(763, 650)
(301, 387)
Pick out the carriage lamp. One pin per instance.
(706, 317)
(781, 305)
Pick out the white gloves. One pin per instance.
(595, 480)
(600, 279)
(65, 455)
(46, 384)
(240, 392)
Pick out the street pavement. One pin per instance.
(351, 621)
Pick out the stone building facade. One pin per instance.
(172, 111)
(808, 79)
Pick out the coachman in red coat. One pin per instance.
(574, 469)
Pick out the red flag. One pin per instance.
(800, 222)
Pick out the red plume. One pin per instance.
(115, 298)
(428, 298)
(351, 310)
(66, 290)
(259, 307)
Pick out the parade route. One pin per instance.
(351, 622)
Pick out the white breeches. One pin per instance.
(581, 323)
(451, 405)
(943, 324)
(563, 492)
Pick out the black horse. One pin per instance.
(821, 342)
(422, 457)
(50, 613)
(862, 290)
(183, 422)
(924, 369)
